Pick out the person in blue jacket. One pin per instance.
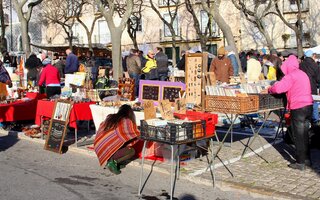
(72, 63)
(231, 55)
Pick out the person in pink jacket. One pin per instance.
(297, 87)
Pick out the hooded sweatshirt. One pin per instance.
(295, 83)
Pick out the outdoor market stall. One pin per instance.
(243, 100)
(79, 112)
(20, 109)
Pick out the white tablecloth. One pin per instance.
(99, 114)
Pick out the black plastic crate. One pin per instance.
(174, 133)
(270, 101)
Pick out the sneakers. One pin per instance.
(113, 167)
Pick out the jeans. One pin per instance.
(136, 78)
(315, 113)
(300, 121)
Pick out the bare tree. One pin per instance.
(134, 22)
(205, 34)
(212, 7)
(64, 13)
(171, 7)
(255, 13)
(109, 9)
(24, 18)
(297, 27)
(89, 30)
(2, 24)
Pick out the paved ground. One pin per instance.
(264, 172)
(29, 172)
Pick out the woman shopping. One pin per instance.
(296, 85)
(115, 137)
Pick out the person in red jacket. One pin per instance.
(51, 78)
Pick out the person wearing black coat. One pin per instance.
(182, 61)
(310, 67)
(31, 65)
(162, 64)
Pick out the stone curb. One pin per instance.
(258, 192)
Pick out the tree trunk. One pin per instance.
(203, 42)
(25, 36)
(90, 41)
(70, 37)
(299, 43)
(225, 28)
(116, 35)
(2, 43)
(174, 53)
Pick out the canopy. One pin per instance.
(77, 49)
(315, 50)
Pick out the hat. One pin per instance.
(308, 53)
(221, 51)
(46, 61)
(264, 51)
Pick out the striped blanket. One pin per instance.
(108, 142)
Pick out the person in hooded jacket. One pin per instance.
(297, 87)
(310, 67)
(221, 66)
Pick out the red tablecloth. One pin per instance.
(79, 111)
(35, 95)
(20, 110)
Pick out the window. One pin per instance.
(168, 52)
(167, 32)
(104, 33)
(136, 23)
(204, 23)
(168, 2)
(75, 30)
(70, 7)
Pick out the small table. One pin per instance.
(173, 153)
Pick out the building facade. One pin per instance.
(152, 32)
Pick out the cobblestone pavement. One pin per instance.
(265, 172)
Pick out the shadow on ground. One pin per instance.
(8, 141)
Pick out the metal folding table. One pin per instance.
(233, 117)
(173, 173)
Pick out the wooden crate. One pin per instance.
(227, 104)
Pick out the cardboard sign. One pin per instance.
(149, 110)
(180, 106)
(165, 110)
